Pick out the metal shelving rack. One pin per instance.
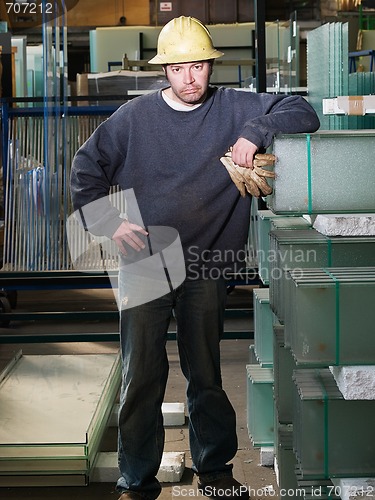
(39, 137)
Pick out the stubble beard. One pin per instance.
(196, 97)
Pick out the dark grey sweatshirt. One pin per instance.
(171, 160)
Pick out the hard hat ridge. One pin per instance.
(184, 39)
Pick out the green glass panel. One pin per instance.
(263, 229)
(291, 249)
(252, 357)
(332, 318)
(56, 413)
(283, 366)
(361, 83)
(289, 222)
(323, 423)
(327, 70)
(260, 405)
(325, 172)
(318, 489)
(266, 221)
(253, 243)
(263, 329)
(286, 461)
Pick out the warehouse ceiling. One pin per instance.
(25, 14)
(217, 11)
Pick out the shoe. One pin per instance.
(224, 488)
(131, 495)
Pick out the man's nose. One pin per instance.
(188, 76)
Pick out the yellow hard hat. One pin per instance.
(184, 39)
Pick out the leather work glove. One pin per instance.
(251, 180)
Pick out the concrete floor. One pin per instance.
(235, 355)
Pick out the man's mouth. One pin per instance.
(191, 90)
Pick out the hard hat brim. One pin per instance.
(215, 54)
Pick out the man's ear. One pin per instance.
(164, 67)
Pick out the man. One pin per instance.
(166, 146)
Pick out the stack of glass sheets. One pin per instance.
(328, 69)
(266, 222)
(263, 228)
(263, 331)
(53, 413)
(321, 489)
(360, 84)
(252, 360)
(283, 366)
(310, 249)
(285, 459)
(330, 316)
(332, 437)
(289, 222)
(252, 242)
(324, 172)
(260, 406)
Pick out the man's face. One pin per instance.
(189, 81)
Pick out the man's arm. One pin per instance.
(92, 175)
(281, 115)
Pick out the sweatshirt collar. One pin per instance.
(178, 106)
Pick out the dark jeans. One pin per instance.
(198, 307)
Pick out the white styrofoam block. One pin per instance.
(345, 224)
(106, 468)
(355, 382)
(354, 488)
(267, 456)
(310, 218)
(173, 414)
(172, 467)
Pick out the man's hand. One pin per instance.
(126, 235)
(243, 152)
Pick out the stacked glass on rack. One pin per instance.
(361, 83)
(263, 330)
(323, 438)
(260, 410)
(283, 366)
(328, 69)
(324, 172)
(324, 309)
(266, 222)
(292, 249)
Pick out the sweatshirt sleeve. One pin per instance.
(93, 172)
(280, 115)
